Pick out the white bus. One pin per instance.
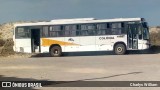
(82, 34)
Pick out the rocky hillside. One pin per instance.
(154, 29)
(6, 30)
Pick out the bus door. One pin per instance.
(35, 40)
(132, 36)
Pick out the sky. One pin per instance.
(33, 10)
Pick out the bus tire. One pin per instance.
(55, 51)
(120, 49)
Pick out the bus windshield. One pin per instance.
(145, 31)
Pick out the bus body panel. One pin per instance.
(71, 44)
(47, 42)
(143, 44)
(103, 43)
(119, 39)
(23, 45)
(87, 43)
(81, 42)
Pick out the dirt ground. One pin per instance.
(131, 67)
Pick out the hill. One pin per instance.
(154, 29)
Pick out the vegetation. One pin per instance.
(2, 42)
(6, 46)
(155, 38)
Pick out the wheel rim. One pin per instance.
(55, 51)
(119, 49)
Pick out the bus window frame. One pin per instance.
(24, 37)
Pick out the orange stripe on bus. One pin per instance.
(49, 42)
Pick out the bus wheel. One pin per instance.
(120, 49)
(55, 51)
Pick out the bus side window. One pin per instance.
(67, 30)
(88, 29)
(70, 30)
(108, 29)
(45, 31)
(84, 30)
(55, 31)
(124, 28)
(78, 31)
(22, 32)
(101, 29)
(91, 32)
(116, 28)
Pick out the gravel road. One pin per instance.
(133, 67)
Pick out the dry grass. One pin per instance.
(2, 42)
(7, 47)
(155, 38)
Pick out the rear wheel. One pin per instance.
(120, 49)
(55, 51)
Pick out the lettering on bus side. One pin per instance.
(105, 38)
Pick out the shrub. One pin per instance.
(155, 38)
(0, 35)
(2, 42)
(7, 47)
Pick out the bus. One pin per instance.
(81, 35)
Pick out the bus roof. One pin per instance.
(78, 21)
